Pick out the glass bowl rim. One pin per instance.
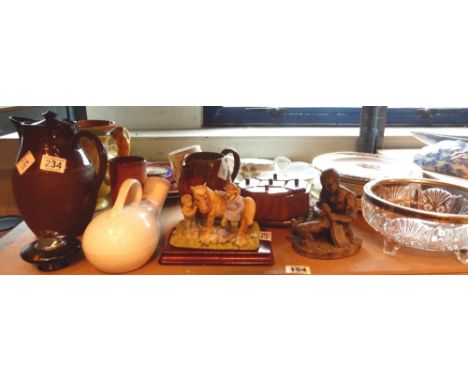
(370, 196)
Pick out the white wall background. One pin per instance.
(150, 117)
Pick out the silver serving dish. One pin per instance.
(424, 214)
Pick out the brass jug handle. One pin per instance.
(236, 168)
(122, 195)
(122, 137)
(102, 155)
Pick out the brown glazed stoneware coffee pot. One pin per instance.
(54, 183)
(208, 168)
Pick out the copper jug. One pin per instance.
(54, 183)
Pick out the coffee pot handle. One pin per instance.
(235, 154)
(102, 154)
(122, 196)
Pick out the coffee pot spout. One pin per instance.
(19, 123)
(155, 190)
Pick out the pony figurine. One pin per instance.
(215, 204)
(217, 220)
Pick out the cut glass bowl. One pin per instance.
(418, 213)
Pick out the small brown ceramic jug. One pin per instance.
(54, 183)
(208, 167)
(122, 168)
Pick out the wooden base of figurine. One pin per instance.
(324, 250)
(186, 256)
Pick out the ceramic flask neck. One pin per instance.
(154, 194)
(155, 191)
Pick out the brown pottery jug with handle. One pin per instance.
(208, 168)
(54, 183)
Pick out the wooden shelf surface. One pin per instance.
(369, 260)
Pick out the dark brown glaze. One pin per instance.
(55, 201)
(277, 200)
(123, 168)
(204, 167)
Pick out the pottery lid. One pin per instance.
(50, 120)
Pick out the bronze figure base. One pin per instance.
(324, 250)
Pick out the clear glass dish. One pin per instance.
(424, 214)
